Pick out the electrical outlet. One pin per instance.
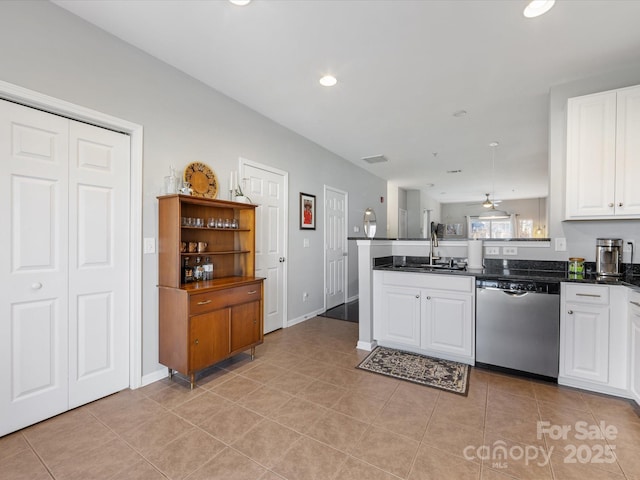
(150, 245)
(492, 250)
(561, 244)
(510, 251)
(356, 229)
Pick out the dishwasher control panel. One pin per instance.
(552, 288)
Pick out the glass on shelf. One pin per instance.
(234, 223)
(211, 223)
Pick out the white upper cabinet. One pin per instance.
(603, 155)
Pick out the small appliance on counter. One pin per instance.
(609, 257)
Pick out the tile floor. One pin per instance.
(300, 411)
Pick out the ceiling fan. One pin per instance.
(487, 202)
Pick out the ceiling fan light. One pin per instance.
(487, 203)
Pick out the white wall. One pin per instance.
(47, 49)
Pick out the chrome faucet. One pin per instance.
(434, 243)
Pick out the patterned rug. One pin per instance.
(429, 371)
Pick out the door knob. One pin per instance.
(281, 259)
(570, 312)
(611, 205)
(620, 204)
(197, 342)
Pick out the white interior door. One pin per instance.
(99, 259)
(66, 314)
(34, 152)
(403, 223)
(267, 188)
(335, 247)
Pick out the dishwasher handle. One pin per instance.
(511, 293)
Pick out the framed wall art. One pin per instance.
(307, 211)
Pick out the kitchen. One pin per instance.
(185, 121)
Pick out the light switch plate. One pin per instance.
(149, 245)
(305, 243)
(561, 244)
(492, 250)
(356, 229)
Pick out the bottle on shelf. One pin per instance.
(198, 271)
(187, 271)
(208, 269)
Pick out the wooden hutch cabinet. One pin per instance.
(204, 322)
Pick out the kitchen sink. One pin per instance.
(425, 267)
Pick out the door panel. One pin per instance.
(245, 322)
(99, 274)
(34, 155)
(267, 188)
(335, 248)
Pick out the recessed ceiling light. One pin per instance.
(240, 3)
(535, 8)
(460, 113)
(429, 185)
(328, 81)
(494, 144)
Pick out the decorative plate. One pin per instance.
(203, 181)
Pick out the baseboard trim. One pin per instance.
(154, 376)
(368, 346)
(294, 321)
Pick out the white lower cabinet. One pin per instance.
(432, 314)
(634, 345)
(593, 338)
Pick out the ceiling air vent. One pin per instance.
(375, 159)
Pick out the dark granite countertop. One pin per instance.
(548, 271)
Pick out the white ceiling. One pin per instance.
(404, 67)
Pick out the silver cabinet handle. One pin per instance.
(570, 312)
(204, 303)
(634, 303)
(588, 295)
(417, 296)
(428, 298)
(252, 292)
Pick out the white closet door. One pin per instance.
(98, 263)
(33, 266)
(64, 264)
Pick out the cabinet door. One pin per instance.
(208, 338)
(591, 151)
(628, 152)
(399, 316)
(246, 325)
(448, 324)
(634, 323)
(585, 331)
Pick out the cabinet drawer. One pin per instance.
(593, 294)
(206, 302)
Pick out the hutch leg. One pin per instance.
(253, 352)
(193, 380)
(170, 373)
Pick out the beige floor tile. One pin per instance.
(511, 384)
(339, 376)
(522, 428)
(201, 407)
(140, 470)
(23, 465)
(490, 474)
(433, 464)
(583, 469)
(386, 450)
(240, 363)
(451, 437)
(354, 469)
(126, 412)
(322, 393)
(102, 462)
(511, 458)
(337, 430)
(559, 396)
(404, 419)
(291, 383)
(156, 433)
(501, 400)
(229, 465)
(264, 400)
(185, 454)
(12, 444)
(175, 395)
(236, 388)
(230, 423)
(213, 377)
(298, 414)
(374, 385)
(266, 442)
(269, 475)
(468, 414)
(308, 459)
(629, 460)
(418, 396)
(362, 407)
(264, 373)
(310, 367)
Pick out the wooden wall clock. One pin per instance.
(202, 179)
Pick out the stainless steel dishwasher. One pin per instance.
(518, 326)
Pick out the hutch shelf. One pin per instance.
(205, 322)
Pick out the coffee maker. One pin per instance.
(609, 257)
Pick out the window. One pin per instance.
(492, 228)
